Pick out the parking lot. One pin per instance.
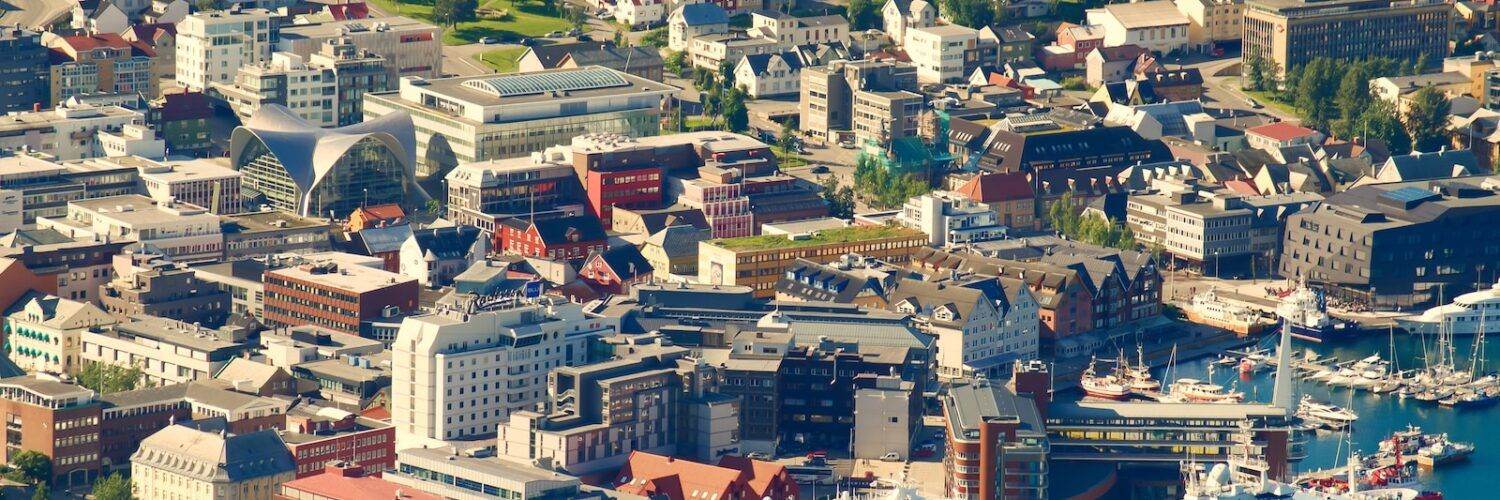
(924, 473)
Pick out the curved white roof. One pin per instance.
(309, 152)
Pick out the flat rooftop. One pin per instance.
(343, 276)
(947, 30)
(544, 86)
(1147, 14)
(267, 221)
(34, 119)
(824, 237)
(356, 26)
(136, 209)
(172, 332)
(187, 171)
(487, 467)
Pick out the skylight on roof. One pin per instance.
(540, 83)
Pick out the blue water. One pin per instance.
(1380, 415)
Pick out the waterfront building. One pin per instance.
(997, 444)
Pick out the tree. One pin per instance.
(1315, 88)
(208, 5)
(1255, 72)
(114, 487)
(675, 62)
(1353, 96)
(1427, 120)
(787, 140)
(726, 73)
(972, 13)
(1421, 64)
(105, 378)
(452, 12)
(840, 199)
(657, 37)
(42, 492)
(1381, 123)
(736, 115)
(863, 14)
(435, 207)
(33, 465)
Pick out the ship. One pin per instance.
(1331, 416)
(1469, 314)
(1208, 309)
(1188, 390)
(1102, 386)
(1246, 476)
(1304, 313)
(1442, 451)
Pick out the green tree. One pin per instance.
(208, 5)
(105, 378)
(452, 12)
(33, 465)
(1353, 96)
(726, 73)
(1427, 120)
(657, 37)
(863, 14)
(1255, 72)
(1421, 64)
(1381, 123)
(787, 140)
(675, 62)
(840, 198)
(736, 115)
(42, 492)
(972, 13)
(114, 487)
(1317, 83)
(435, 207)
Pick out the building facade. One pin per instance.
(1292, 32)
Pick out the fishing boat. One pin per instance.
(1304, 312)
(1332, 415)
(1137, 377)
(1440, 450)
(1102, 386)
(1246, 476)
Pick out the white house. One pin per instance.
(938, 51)
(898, 15)
(791, 30)
(1156, 25)
(640, 13)
(980, 330)
(764, 75)
(434, 255)
(694, 20)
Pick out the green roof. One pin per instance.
(828, 236)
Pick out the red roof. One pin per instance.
(335, 486)
(1280, 131)
(762, 475)
(676, 479)
(1242, 187)
(346, 11)
(985, 188)
(376, 413)
(83, 43)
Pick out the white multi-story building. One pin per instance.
(43, 332)
(898, 15)
(640, 13)
(459, 373)
(1156, 25)
(980, 330)
(186, 233)
(66, 133)
(792, 30)
(308, 90)
(167, 351)
(213, 45)
(135, 139)
(205, 183)
(938, 51)
(766, 75)
(950, 219)
(692, 20)
(409, 47)
(1213, 20)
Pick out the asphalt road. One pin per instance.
(33, 13)
(1224, 91)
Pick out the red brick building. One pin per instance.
(997, 445)
(337, 296)
(327, 436)
(735, 478)
(616, 270)
(561, 238)
(57, 419)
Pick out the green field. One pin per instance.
(502, 60)
(839, 235)
(525, 19)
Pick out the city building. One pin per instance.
(1289, 33)
(134, 139)
(299, 168)
(185, 233)
(408, 47)
(982, 328)
(1156, 25)
(758, 261)
(692, 20)
(938, 51)
(767, 75)
(336, 295)
(1213, 21)
(286, 79)
(639, 61)
(318, 437)
(434, 255)
(43, 332)
(459, 374)
(672, 252)
(205, 183)
(795, 31)
(1419, 166)
(167, 351)
(1400, 244)
(101, 62)
(65, 132)
(880, 117)
(817, 382)
(57, 419)
(479, 118)
(566, 238)
(23, 70)
(1272, 136)
(213, 45)
(343, 482)
(484, 193)
(899, 15)
(1065, 299)
(828, 93)
(997, 443)
(74, 267)
(950, 219)
(160, 38)
(147, 284)
(241, 279)
(669, 478)
(848, 279)
(449, 475)
(184, 461)
(180, 117)
(641, 13)
(1215, 233)
(1008, 195)
(886, 412)
(257, 234)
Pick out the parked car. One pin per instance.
(755, 455)
(846, 144)
(489, 40)
(891, 457)
(823, 454)
(819, 169)
(554, 34)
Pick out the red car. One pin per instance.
(817, 454)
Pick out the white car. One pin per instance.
(891, 457)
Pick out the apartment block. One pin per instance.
(167, 351)
(77, 266)
(212, 46)
(23, 70)
(758, 261)
(938, 51)
(996, 443)
(880, 117)
(57, 419)
(407, 47)
(1292, 32)
(186, 233)
(827, 100)
(459, 373)
(64, 133)
(42, 332)
(336, 295)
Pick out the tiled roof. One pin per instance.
(1280, 131)
(990, 187)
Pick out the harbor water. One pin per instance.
(1380, 415)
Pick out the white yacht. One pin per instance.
(1466, 315)
(1208, 309)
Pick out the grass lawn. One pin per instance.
(840, 235)
(785, 160)
(525, 19)
(502, 60)
(1269, 100)
(700, 122)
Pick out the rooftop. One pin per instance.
(577, 84)
(823, 237)
(392, 23)
(343, 276)
(186, 171)
(1146, 14)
